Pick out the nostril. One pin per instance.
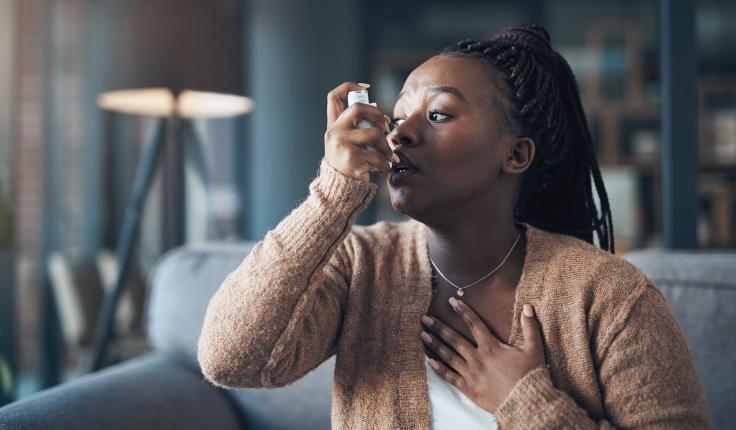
(397, 139)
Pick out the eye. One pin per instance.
(437, 116)
(394, 122)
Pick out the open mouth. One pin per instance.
(400, 172)
(401, 168)
(404, 164)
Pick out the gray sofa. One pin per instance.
(164, 389)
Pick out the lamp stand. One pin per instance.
(124, 250)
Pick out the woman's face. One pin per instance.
(449, 129)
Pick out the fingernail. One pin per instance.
(427, 338)
(427, 320)
(528, 310)
(396, 158)
(364, 85)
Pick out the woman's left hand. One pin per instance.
(486, 374)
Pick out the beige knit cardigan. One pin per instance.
(318, 285)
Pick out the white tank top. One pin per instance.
(450, 409)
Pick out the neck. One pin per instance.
(468, 250)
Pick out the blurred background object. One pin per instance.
(176, 111)
(75, 163)
(8, 312)
(67, 167)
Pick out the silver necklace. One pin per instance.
(459, 288)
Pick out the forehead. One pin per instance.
(469, 76)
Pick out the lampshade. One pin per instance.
(161, 102)
(200, 104)
(157, 102)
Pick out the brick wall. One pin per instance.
(31, 61)
(49, 106)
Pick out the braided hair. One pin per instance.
(540, 99)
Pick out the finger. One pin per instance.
(479, 330)
(457, 341)
(446, 353)
(336, 100)
(530, 328)
(359, 111)
(377, 160)
(373, 139)
(374, 162)
(448, 374)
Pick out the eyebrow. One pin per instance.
(438, 90)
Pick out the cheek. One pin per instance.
(462, 183)
(466, 158)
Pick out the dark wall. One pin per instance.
(191, 44)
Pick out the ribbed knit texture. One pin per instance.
(317, 285)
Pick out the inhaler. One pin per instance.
(360, 96)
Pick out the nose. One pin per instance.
(402, 135)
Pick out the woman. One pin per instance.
(491, 306)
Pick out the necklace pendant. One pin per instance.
(460, 292)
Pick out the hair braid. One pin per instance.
(542, 101)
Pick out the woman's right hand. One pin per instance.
(346, 145)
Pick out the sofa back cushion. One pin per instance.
(180, 288)
(700, 288)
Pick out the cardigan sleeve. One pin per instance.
(278, 314)
(647, 377)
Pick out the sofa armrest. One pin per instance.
(148, 392)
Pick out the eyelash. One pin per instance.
(438, 112)
(393, 123)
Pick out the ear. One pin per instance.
(519, 156)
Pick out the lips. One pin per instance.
(404, 164)
(403, 171)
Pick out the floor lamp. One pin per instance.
(164, 105)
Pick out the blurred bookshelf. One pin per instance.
(717, 128)
(622, 106)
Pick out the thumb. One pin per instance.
(530, 328)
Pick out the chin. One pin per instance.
(406, 204)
